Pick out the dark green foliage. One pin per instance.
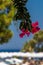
(22, 14)
(13, 10)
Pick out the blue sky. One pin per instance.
(35, 8)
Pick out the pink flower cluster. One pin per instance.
(35, 28)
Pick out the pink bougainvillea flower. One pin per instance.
(24, 32)
(27, 32)
(35, 24)
(21, 35)
(35, 29)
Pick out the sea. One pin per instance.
(14, 50)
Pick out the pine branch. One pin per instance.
(22, 14)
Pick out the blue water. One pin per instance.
(14, 50)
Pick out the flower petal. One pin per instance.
(26, 30)
(34, 30)
(23, 30)
(37, 28)
(21, 35)
(28, 33)
(35, 24)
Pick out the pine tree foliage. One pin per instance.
(11, 10)
(22, 14)
(7, 12)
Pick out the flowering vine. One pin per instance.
(25, 31)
